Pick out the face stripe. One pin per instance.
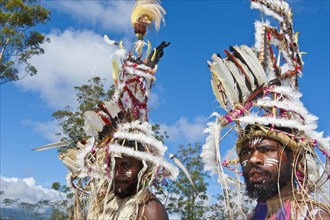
(128, 173)
(255, 140)
(271, 162)
(244, 163)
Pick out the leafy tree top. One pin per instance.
(18, 41)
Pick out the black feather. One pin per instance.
(159, 54)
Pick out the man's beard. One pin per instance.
(265, 191)
(126, 192)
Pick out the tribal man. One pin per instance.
(113, 170)
(285, 161)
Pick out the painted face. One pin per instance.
(126, 176)
(263, 160)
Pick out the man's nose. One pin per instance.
(256, 158)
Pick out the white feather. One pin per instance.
(287, 91)
(312, 168)
(267, 11)
(218, 95)
(132, 70)
(281, 122)
(93, 123)
(222, 73)
(259, 34)
(294, 106)
(144, 127)
(158, 161)
(287, 58)
(323, 142)
(121, 53)
(240, 78)
(143, 139)
(209, 153)
(184, 169)
(252, 61)
(52, 145)
(286, 67)
(270, 69)
(108, 40)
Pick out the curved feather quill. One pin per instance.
(221, 73)
(184, 169)
(249, 58)
(52, 145)
(239, 79)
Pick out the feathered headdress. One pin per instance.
(124, 118)
(256, 86)
(146, 12)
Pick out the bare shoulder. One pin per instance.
(154, 210)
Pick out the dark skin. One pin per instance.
(154, 210)
(262, 161)
(126, 179)
(126, 176)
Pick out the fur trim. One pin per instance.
(156, 160)
(143, 139)
(209, 152)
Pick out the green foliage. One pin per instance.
(240, 204)
(57, 214)
(18, 42)
(72, 121)
(56, 186)
(26, 210)
(158, 135)
(183, 199)
(62, 209)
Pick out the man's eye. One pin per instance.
(265, 150)
(245, 152)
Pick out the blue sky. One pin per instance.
(182, 98)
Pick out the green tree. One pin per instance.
(183, 199)
(240, 204)
(18, 41)
(71, 121)
(25, 210)
(62, 209)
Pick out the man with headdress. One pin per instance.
(279, 174)
(121, 159)
(278, 148)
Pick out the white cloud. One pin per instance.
(71, 58)
(154, 100)
(48, 129)
(110, 15)
(182, 129)
(26, 190)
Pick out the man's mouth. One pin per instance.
(118, 183)
(257, 176)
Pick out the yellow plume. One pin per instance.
(151, 9)
(296, 37)
(115, 70)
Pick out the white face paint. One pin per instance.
(271, 162)
(128, 173)
(255, 140)
(244, 163)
